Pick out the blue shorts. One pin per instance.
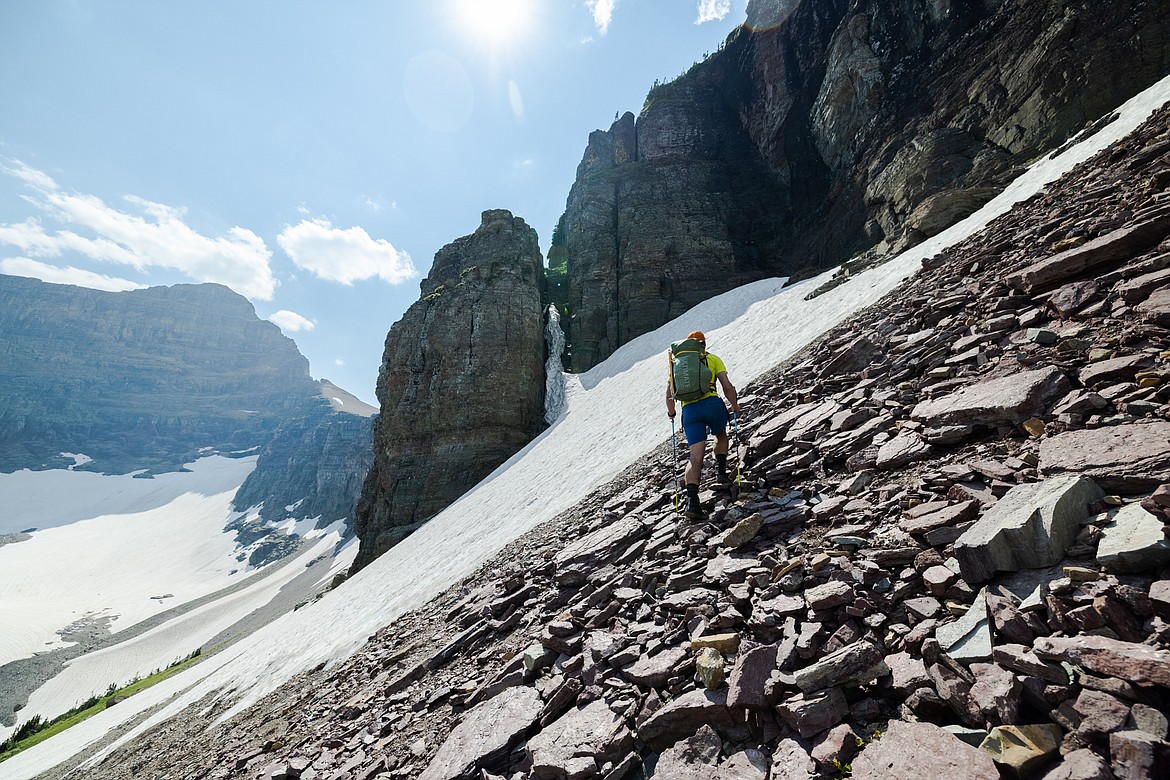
(698, 416)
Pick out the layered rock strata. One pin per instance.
(829, 590)
(824, 128)
(461, 385)
(314, 464)
(144, 379)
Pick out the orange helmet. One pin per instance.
(698, 334)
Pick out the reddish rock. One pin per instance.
(1008, 400)
(485, 734)
(683, 716)
(1138, 756)
(829, 595)
(746, 686)
(1101, 715)
(1140, 664)
(813, 713)
(839, 667)
(1124, 458)
(909, 750)
(996, 692)
(1081, 764)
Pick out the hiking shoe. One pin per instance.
(693, 510)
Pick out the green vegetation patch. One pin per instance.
(37, 730)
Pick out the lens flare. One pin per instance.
(495, 21)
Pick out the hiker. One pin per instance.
(693, 373)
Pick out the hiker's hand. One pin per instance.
(670, 415)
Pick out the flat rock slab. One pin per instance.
(594, 731)
(485, 734)
(683, 716)
(1135, 663)
(1108, 372)
(1081, 764)
(922, 750)
(603, 544)
(1008, 400)
(1156, 308)
(905, 448)
(697, 758)
(1123, 458)
(1125, 242)
(840, 666)
(653, 671)
(1134, 542)
(1030, 527)
(968, 639)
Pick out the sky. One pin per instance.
(312, 156)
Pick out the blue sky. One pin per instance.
(313, 156)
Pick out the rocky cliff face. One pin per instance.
(155, 378)
(824, 128)
(314, 464)
(140, 379)
(461, 383)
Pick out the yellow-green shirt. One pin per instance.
(716, 366)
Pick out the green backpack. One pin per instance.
(690, 376)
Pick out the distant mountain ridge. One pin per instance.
(148, 380)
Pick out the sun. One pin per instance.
(495, 22)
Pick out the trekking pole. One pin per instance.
(735, 429)
(673, 457)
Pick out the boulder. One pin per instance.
(839, 667)
(791, 761)
(1007, 400)
(1136, 755)
(813, 713)
(485, 735)
(968, 639)
(1022, 749)
(1030, 527)
(1081, 764)
(653, 671)
(1136, 663)
(749, 676)
(601, 545)
(683, 715)
(922, 750)
(1124, 458)
(1134, 542)
(594, 731)
(1110, 372)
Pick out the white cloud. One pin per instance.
(155, 237)
(515, 99)
(344, 255)
(291, 322)
(25, 266)
(602, 13)
(339, 362)
(713, 10)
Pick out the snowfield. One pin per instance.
(614, 415)
(153, 537)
